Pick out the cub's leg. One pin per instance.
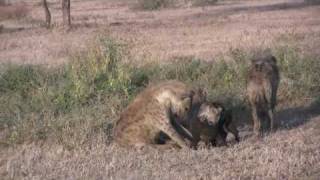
(232, 129)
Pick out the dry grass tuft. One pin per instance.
(160, 4)
(287, 154)
(204, 2)
(153, 4)
(14, 11)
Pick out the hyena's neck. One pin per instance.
(165, 98)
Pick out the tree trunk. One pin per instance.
(48, 15)
(66, 13)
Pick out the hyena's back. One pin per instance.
(263, 81)
(149, 113)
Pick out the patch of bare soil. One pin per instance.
(202, 32)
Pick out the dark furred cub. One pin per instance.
(212, 125)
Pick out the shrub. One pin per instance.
(154, 4)
(204, 2)
(32, 95)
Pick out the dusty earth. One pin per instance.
(204, 32)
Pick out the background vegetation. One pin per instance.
(75, 103)
(159, 4)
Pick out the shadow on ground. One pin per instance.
(11, 29)
(285, 119)
(231, 10)
(297, 116)
(273, 7)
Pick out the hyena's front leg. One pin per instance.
(164, 125)
(174, 135)
(271, 118)
(256, 122)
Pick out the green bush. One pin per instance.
(300, 78)
(204, 2)
(154, 4)
(32, 97)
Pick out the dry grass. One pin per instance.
(287, 154)
(15, 11)
(56, 122)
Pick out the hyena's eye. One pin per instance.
(202, 119)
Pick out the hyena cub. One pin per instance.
(212, 124)
(158, 108)
(262, 85)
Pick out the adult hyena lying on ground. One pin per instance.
(160, 107)
(262, 85)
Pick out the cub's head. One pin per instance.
(210, 113)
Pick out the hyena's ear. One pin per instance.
(199, 95)
(202, 92)
(273, 59)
